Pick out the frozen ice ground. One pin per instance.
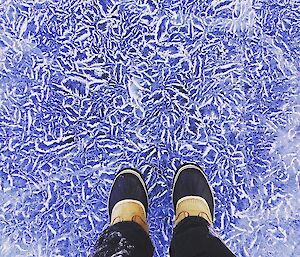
(89, 87)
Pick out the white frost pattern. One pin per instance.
(89, 87)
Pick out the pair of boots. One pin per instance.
(192, 196)
(128, 234)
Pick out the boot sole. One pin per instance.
(193, 166)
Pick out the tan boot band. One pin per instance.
(130, 210)
(192, 206)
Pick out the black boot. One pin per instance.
(192, 195)
(128, 199)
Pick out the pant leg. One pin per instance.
(123, 239)
(191, 238)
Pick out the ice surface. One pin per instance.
(90, 87)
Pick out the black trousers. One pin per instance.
(191, 238)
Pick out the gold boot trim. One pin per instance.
(130, 210)
(192, 206)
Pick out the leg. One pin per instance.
(124, 239)
(192, 238)
(194, 205)
(128, 206)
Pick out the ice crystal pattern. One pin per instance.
(89, 87)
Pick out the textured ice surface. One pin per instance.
(88, 87)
